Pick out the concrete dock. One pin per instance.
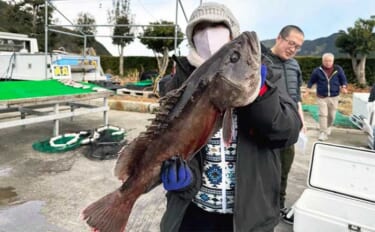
(42, 192)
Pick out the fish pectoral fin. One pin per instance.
(228, 127)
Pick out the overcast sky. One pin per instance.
(317, 18)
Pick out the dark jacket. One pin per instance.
(327, 86)
(264, 126)
(371, 97)
(291, 74)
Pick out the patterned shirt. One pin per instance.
(218, 177)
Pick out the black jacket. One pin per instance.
(269, 123)
(290, 72)
(371, 98)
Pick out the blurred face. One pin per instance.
(204, 25)
(327, 61)
(209, 38)
(287, 47)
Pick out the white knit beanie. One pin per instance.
(212, 12)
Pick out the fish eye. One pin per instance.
(234, 57)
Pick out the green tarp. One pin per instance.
(340, 120)
(144, 83)
(31, 89)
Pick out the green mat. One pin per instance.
(33, 89)
(340, 120)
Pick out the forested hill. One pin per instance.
(16, 21)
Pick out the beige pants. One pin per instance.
(327, 111)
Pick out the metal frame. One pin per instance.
(84, 36)
(53, 109)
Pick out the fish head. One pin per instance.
(236, 81)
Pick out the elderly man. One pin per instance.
(329, 79)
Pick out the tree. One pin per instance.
(159, 37)
(21, 20)
(31, 14)
(86, 19)
(358, 42)
(121, 34)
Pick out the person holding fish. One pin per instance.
(215, 141)
(235, 185)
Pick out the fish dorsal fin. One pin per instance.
(127, 160)
(161, 120)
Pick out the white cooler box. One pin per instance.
(341, 191)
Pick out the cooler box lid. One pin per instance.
(343, 170)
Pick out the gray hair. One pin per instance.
(328, 54)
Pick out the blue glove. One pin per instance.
(176, 174)
(263, 74)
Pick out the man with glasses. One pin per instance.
(287, 70)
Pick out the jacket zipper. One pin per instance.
(328, 81)
(224, 172)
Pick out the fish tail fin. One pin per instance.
(108, 214)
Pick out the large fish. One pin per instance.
(188, 117)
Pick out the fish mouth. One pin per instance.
(244, 93)
(230, 83)
(225, 93)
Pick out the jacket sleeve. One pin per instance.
(313, 79)
(371, 98)
(170, 82)
(300, 81)
(178, 201)
(190, 191)
(167, 83)
(272, 119)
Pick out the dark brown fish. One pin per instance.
(188, 117)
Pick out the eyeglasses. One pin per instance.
(292, 44)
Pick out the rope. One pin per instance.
(72, 138)
(69, 141)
